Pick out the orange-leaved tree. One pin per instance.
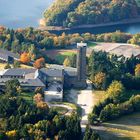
(39, 63)
(25, 58)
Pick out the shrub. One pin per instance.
(92, 118)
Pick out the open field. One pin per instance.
(60, 110)
(98, 96)
(124, 128)
(74, 107)
(91, 44)
(59, 55)
(2, 66)
(53, 53)
(25, 66)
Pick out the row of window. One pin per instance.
(7, 76)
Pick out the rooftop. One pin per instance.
(119, 49)
(52, 72)
(4, 54)
(17, 72)
(68, 70)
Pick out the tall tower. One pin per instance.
(81, 64)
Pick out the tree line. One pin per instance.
(73, 13)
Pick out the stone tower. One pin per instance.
(81, 64)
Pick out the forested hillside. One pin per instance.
(57, 13)
(71, 13)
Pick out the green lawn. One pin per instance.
(60, 110)
(125, 128)
(98, 96)
(2, 66)
(60, 57)
(67, 53)
(28, 96)
(75, 107)
(91, 44)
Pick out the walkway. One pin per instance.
(85, 100)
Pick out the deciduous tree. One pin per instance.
(25, 58)
(39, 63)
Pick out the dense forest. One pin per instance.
(78, 12)
(20, 119)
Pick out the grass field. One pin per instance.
(2, 66)
(60, 110)
(125, 128)
(91, 44)
(59, 55)
(98, 96)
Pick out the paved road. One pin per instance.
(85, 100)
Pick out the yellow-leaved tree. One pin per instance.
(137, 70)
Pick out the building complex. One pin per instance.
(51, 79)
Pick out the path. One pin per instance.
(70, 109)
(85, 100)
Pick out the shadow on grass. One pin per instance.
(117, 126)
(106, 135)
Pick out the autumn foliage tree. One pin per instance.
(39, 102)
(66, 62)
(25, 58)
(39, 63)
(137, 70)
(38, 98)
(99, 80)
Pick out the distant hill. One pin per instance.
(69, 13)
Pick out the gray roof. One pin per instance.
(119, 49)
(52, 72)
(18, 72)
(4, 54)
(25, 82)
(70, 71)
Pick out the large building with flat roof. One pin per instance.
(119, 49)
